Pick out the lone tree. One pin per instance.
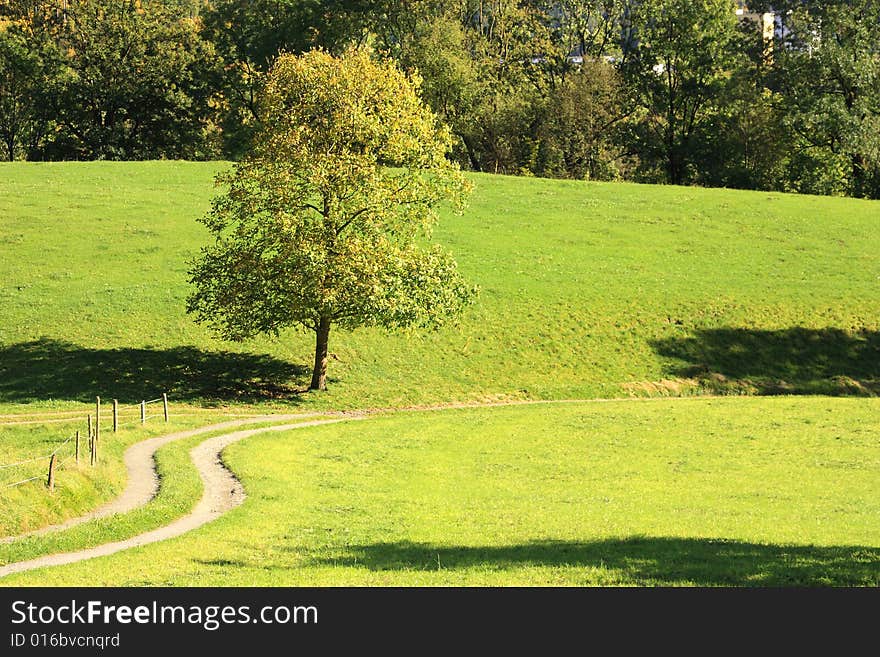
(324, 221)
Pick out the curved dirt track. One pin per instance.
(143, 481)
(222, 491)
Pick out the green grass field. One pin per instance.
(774, 492)
(588, 290)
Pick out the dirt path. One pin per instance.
(143, 481)
(222, 491)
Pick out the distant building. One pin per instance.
(767, 20)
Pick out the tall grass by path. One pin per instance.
(78, 488)
(180, 490)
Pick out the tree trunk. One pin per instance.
(671, 169)
(319, 373)
(858, 175)
(471, 153)
(674, 165)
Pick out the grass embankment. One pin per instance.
(180, 489)
(588, 289)
(83, 488)
(707, 492)
(78, 489)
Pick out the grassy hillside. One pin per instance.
(774, 492)
(588, 290)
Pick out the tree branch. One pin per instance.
(347, 223)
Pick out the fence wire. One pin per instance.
(18, 463)
(138, 419)
(23, 481)
(37, 458)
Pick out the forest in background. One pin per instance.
(661, 91)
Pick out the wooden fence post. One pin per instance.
(50, 482)
(143, 412)
(91, 443)
(77, 447)
(115, 415)
(97, 420)
(165, 404)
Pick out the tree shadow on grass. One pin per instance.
(643, 560)
(797, 360)
(52, 369)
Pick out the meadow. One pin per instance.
(636, 293)
(745, 492)
(587, 290)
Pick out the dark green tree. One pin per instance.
(742, 142)
(828, 71)
(137, 83)
(680, 53)
(23, 75)
(578, 124)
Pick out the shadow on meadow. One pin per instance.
(52, 369)
(643, 560)
(797, 360)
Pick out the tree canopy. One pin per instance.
(650, 90)
(680, 58)
(324, 220)
(829, 72)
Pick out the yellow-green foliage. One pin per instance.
(321, 222)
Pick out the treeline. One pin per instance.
(678, 91)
